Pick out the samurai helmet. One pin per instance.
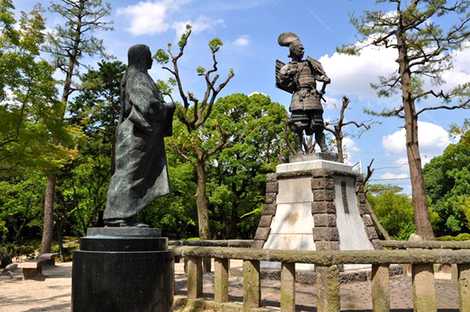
(287, 38)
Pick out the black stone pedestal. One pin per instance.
(122, 269)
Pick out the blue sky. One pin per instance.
(249, 29)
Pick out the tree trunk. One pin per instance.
(423, 225)
(202, 206)
(339, 147)
(48, 220)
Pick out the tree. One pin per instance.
(456, 131)
(394, 210)
(237, 174)
(424, 51)
(447, 180)
(30, 115)
(83, 186)
(68, 44)
(193, 114)
(21, 202)
(28, 106)
(337, 128)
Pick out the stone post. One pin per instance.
(464, 287)
(194, 277)
(380, 288)
(328, 298)
(251, 285)
(288, 287)
(424, 293)
(221, 280)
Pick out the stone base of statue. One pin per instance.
(126, 269)
(315, 205)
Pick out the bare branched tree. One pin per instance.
(337, 127)
(193, 113)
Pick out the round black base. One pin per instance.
(128, 274)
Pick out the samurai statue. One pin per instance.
(141, 170)
(299, 77)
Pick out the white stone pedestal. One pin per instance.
(313, 205)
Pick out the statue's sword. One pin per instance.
(322, 91)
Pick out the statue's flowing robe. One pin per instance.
(141, 171)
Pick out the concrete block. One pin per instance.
(296, 190)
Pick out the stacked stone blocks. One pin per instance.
(371, 230)
(264, 227)
(325, 231)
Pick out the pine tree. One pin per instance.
(424, 48)
(68, 44)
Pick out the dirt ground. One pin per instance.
(53, 294)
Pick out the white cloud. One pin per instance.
(460, 73)
(258, 92)
(202, 23)
(350, 148)
(432, 139)
(350, 145)
(331, 103)
(150, 17)
(242, 41)
(393, 175)
(351, 75)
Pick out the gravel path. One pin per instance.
(53, 294)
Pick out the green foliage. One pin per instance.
(237, 183)
(215, 44)
(348, 49)
(29, 110)
(431, 31)
(21, 202)
(184, 37)
(393, 209)
(164, 87)
(447, 179)
(200, 70)
(459, 237)
(235, 174)
(456, 131)
(84, 183)
(75, 37)
(161, 56)
(175, 213)
(9, 251)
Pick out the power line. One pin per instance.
(391, 179)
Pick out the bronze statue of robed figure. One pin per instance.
(141, 172)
